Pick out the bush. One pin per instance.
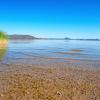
(3, 35)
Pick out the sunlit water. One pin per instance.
(34, 51)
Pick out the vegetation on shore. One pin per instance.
(3, 39)
(3, 36)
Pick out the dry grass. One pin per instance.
(46, 83)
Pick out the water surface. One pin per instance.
(39, 51)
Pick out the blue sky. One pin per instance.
(51, 18)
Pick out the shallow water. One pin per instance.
(39, 51)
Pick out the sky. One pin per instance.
(51, 18)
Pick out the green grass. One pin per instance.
(3, 35)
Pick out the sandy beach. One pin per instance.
(3, 43)
(49, 82)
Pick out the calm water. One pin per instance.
(29, 51)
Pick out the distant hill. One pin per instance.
(21, 37)
(67, 38)
(29, 37)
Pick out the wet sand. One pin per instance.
(73, 51)
(56, 81)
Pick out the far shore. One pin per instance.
(30, 37)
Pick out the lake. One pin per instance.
(51, 51)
